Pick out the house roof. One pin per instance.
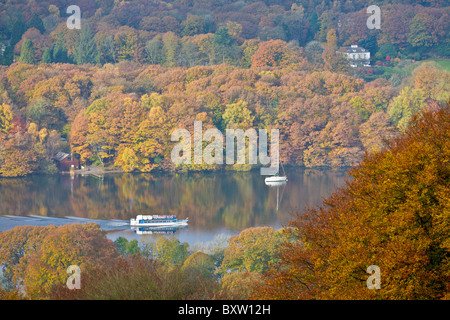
(354, 49)
(60, 156)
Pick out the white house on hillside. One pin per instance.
(357, 56)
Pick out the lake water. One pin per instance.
(220, 203)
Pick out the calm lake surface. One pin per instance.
(221, 203)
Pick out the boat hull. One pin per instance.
(276, 179)
(159, 224)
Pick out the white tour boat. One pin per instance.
(157, 220)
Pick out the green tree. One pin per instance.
(47, 56)
(171, 251)
(154, 48)
(60, 51)
(386, 49)
(314, 25)
(36, 22)
(370, 43)
(224, 43)
(248, 48)
(17, 30)
(27, 52)
(126, 247)
(107, 51)
(86, 48)
(170, 49)
(188, 54)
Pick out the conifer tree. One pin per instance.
(27, 52)
(47, 56)
(60, 51)
(36, 22)
(86, 49)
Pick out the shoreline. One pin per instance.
(100, 172)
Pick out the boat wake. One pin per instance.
(9, 222)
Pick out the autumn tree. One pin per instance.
(393, 213)
(432, 80)
(192, 25)
(396, 24)
(45, 266)
(253, 250)
(239, 285)
(6, 117)
(420, 30)
(126, 43)
(199, 266)
(269, 53)
(332, 60)
(139, 278)
(15, 244)
(248, 48)
(238, 116)
(79, 137)
(17, 155)
(403, 107)
(248, 256)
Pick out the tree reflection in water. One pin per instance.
(231, 200)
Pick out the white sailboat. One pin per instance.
(277, 178)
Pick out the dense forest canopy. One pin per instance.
(112, 92)
(393, 214)
(206, 32)
(137, 70)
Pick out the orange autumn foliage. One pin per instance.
(37, 258)
(393, 213)
(274, 53)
